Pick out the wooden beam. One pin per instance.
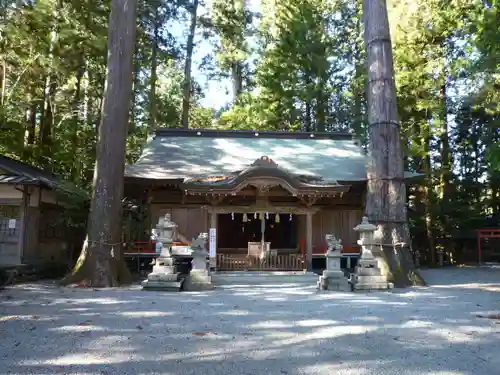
(297, 210)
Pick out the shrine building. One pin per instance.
(271, 196)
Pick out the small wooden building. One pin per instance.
(31, 229)
(271, 196)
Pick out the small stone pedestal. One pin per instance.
(168, 268)
(333, 278)
(199, 278)
(367, 275)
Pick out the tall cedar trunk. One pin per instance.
(321, 102)
(3, 82)
(428, 199)
(100, 263)
(31, 124)
(446, 161)
(186, 97)
(237, 8)
(308, 120)
(47, 120)
(237, 78)
(386, 192)
(153, 108)
(358, 87)
(75, 141)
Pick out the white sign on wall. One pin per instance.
(12, 223)
(212, 242)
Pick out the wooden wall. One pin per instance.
(337, 222)
(191, 220)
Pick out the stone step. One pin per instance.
(263, 278)
(167, 286)
(368, 271)
(373, 286)
(198, 280)
(361, 279)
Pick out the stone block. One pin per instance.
(171, 286)
(339, 287)
(367, 263)
(165, 261)
(333, 280)
(181, 251)
(163, 277)
(361, 271)
(192, 284)
(322, 283)
(333, 274)
(164, 269)
(372, 286)
(370, 279)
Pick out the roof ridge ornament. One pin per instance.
(264, 161)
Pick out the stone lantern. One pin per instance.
(367, 275)
(366, 238)
(166, 231)
(168, 271)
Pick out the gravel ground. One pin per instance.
(283, 329)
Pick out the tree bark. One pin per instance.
(47, 121)
(237, 78)
(154, 76)
(3, 82)
(446, 173)
(428, 199)
(75, 170)
(386, 191)
(186, 98)
(101, 263)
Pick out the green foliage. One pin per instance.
(294, 65)
(53, 53)
(494, 156)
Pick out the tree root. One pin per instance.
(82, 273)
(399, 267)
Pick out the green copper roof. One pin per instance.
(193, 154)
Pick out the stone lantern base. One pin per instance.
(368, 276)
(167, 274)
(333, 277)
(198, 280)
(181, 268)
(333, 280)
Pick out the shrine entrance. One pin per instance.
(238, 229)
(258, 242)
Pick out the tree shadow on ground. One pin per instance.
(284, 329)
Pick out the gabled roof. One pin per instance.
(178, 154)
(15, 172)
(263, 174)
(175, 154)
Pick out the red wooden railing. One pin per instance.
(347, 249)
(147, 247)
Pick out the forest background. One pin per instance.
(274, 65)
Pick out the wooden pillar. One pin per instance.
(24, 224)
(309, 240)
(213, 219)
(213, 224)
